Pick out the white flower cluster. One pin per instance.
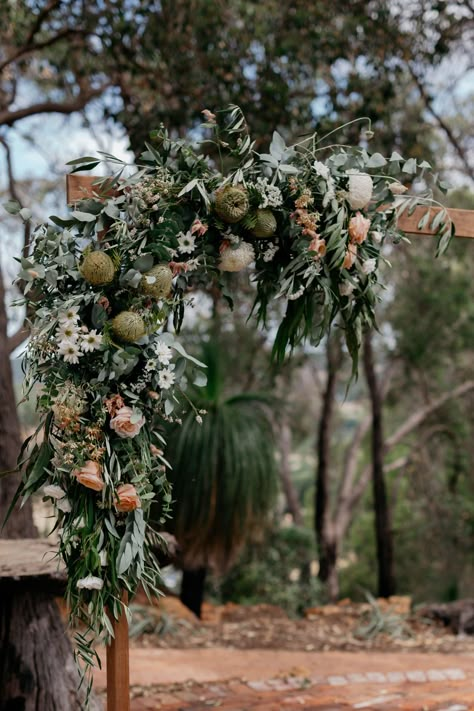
(270, 252)
(75, 340)
(323, 171)
(270, 194)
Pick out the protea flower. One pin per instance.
(98, 269)
(128, 326)
(157, 282)
(234, 260)
(232, 203)
(265, 225)
(359, 190)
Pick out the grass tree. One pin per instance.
(224, 476)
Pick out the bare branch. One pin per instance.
(8, 118)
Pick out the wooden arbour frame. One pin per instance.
(118, 685)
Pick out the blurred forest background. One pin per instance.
(376, 485)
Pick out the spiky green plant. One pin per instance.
(224, 473)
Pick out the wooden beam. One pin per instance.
(118, 672)
(463, 221)
(82, 186)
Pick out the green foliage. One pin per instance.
(276, 571)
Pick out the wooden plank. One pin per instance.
(30, 558)
(81, 186)
(118, 671)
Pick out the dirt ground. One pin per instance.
(257, 659)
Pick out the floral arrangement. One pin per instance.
(108, 287)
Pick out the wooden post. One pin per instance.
(118, 671)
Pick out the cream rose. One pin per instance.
(90, 476)
(128, 499)
(359, 190)
(358, 228)
(127, 422)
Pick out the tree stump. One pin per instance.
(37, 668)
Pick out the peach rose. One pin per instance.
(128, 499)
(358, 228)
(90, 475)
(351, 256)
(127, 422)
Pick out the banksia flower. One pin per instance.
(128, 326)
(157, 282)
(232, 203)
(98, 269)
(234, 260)
(359, 190)
(265, 225)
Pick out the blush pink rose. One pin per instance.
(351, 256)
(359, 228)
(128, 499)
(127, 422)
(90, 475)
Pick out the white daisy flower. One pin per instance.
(91, 341)
(166, 379)
(163, 352)
(151, 364)
(186, 242)
(70, 351)
(91, 582)
(68, 331)
(70, 314)
(369, 266)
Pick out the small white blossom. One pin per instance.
(163, 352)
(166, 379)
(91, 582)
(322, 170)
(296, 295)
(91, 341)
(186, 242)
(346, 288)
(377, 236)
(369, 266)
(270, 252)
(103, 557)
(64, 505)
(70, 351)
(396, 188)
(270, 194)
(199, 419)
(53, 491)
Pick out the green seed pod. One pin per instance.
(98, 269)
(128, 326)
(265, 225)
(157, 282)
(232, 203)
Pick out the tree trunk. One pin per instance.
(37, 668)
(192, 589)
(323, 525)
(383, 529)
(291, 496)
(20, 524)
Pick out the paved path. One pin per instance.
(267, 680)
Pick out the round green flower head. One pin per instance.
(157, 282)
(232, 203)
(98, 269)
(128, 326)
(265, 225)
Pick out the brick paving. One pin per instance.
(264, 680)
